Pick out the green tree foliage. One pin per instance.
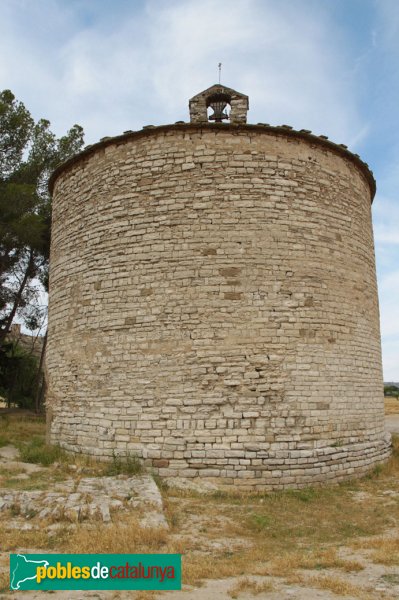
(391, 390)
(29, 151)
(18, 371)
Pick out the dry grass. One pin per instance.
(252, 561)
(197, 567)
(385, 549)
(320, 560)
(391, 405)
(7, 471)
(16, 429)
(4, 582)
(250, 585)
(41, 480)
(288, 519)
(281, 533)
(125, 536)
(15, 540)
(334, 584)
(388, 472)
(138, 595)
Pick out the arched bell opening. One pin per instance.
(218, 108)
(219, 104)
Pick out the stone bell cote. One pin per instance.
(227, 106)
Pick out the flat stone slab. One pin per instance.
(27, 467)
(9, 456)
(91, 498)
(9, 453)
(202, 487)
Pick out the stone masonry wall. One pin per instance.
(239, 104)
(213, 307)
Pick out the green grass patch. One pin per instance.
(259, 522)
(375, 472)
(38, 452)
(391, 578)
(124, 465)
(308, 494)
(161, 483)
(4, 440)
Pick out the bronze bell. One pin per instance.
(218, 103)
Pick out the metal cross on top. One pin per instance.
(220, 70)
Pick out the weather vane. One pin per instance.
(220, 70)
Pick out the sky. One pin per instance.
(331, 66)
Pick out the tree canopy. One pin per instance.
(29, 151)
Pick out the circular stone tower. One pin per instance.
(213, 302)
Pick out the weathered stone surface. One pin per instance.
(198, 105)
(8, 453)
(197, 485)
(9, 457)
(213, 306)
(90, 498)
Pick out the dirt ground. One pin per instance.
(338, 541)
(392, 423)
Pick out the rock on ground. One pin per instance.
(89, 498)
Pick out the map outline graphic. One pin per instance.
(16, 586)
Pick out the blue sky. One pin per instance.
(331, 66)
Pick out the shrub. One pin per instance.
(391, 390)
(18, 370)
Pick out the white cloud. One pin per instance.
(386, 228)
(387, 234)
(389, 302)
(386, 220)
(146, 67)
(388, 14)
(390, 357)
(121, 65)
